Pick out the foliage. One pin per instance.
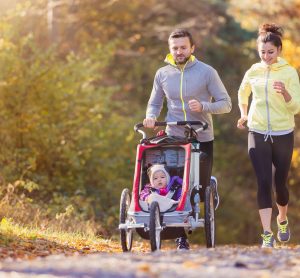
(61, 128)
(253, 13)
(23, 242)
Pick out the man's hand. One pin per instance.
(195, 105)
(149, 122)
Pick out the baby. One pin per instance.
(161, 183)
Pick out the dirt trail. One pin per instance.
(223, 261)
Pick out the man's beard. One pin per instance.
(183, 62)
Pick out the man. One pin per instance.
(189, 87)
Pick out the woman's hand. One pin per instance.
(241, 121)
(279, 87)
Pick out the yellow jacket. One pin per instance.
(268, 110)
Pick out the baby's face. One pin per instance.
(159, 180)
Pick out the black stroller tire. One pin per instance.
(155, 227)
(126, 235)
(209, 218)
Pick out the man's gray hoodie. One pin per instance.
(196, 80)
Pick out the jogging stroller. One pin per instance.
(157, 221)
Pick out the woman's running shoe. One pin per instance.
(268, 240)
(283, 233)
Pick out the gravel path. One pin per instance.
(223, 261)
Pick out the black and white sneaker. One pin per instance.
(214, 186)
(182, 243)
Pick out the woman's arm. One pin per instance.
(290, 91)
(244, 116)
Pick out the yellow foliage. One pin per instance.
(68, 212)
(6, 225)
(252, 13)
(130, 137)
(6, 45)
(144, 267)
(291, 52)
(296, 158)
(4, 222)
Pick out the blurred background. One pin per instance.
(76, 75)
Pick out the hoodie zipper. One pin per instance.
(181, 91)
(268, 134)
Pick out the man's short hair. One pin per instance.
(181, 33)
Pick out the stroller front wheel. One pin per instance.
(155, 226)
(126, 235)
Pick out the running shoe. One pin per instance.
(182, 243)
(283, 233)
(268, 240)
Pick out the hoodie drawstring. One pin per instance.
(267, 135)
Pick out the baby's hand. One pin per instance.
(175, 186)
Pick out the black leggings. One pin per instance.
(263, 155)
(206, 166)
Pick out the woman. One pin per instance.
(275, 100)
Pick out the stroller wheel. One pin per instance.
(214, 187)
(126, 235)
(155, 227)
(209, 217)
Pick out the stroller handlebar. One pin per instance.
(204, 126)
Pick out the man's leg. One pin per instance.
(206, 166)
(205, 174)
